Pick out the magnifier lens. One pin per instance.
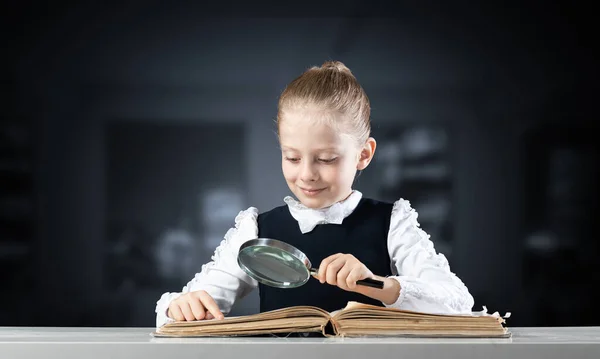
(273, 266)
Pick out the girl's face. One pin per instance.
(319, 163)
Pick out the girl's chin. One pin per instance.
(316, 202)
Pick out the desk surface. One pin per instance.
(558, 342)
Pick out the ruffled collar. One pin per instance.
(309, 218)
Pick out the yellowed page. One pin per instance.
(363, 319)
(293, 319)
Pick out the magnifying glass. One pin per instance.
(281, 265)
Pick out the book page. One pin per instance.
(358, 318)
(293, 319)
(354, 306)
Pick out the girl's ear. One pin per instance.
(366, 154)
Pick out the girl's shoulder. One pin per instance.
(254, 215)
(397, 210)
(249, 214)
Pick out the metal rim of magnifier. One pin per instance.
(289, 249)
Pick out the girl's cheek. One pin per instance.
(332, 173)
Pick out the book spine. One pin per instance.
(332, 328)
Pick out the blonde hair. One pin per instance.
(330, 88)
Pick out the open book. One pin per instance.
(356, 319)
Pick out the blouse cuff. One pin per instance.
(404, 288)
(162, 306)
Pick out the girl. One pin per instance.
(324, 132)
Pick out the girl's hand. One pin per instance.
(343, 270)
(196, 305)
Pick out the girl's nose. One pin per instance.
(308, 173)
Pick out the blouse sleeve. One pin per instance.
(426, 282)
(222, 277)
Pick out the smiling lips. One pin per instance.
(311, 192)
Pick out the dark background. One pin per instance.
(133, 133)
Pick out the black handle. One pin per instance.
(369, 282)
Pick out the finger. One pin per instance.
(323, 266)
(209, 316)
(197, 308)
(333, 268)
(210, 304)
(357, 273)
(342, 274)
(175, 313)
(187, 311)
(322, 274)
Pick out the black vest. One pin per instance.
(363, 234)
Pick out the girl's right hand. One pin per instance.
(196, 305)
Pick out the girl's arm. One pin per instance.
(222, 278)
(426, 282)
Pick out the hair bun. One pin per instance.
(336, 65)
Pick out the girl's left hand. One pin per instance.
(343, 270)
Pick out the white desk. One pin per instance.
(530, 343)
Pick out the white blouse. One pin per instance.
(427, 284)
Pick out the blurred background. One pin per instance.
(132, 133)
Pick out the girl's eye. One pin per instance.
(328, 160)
(293, 160)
